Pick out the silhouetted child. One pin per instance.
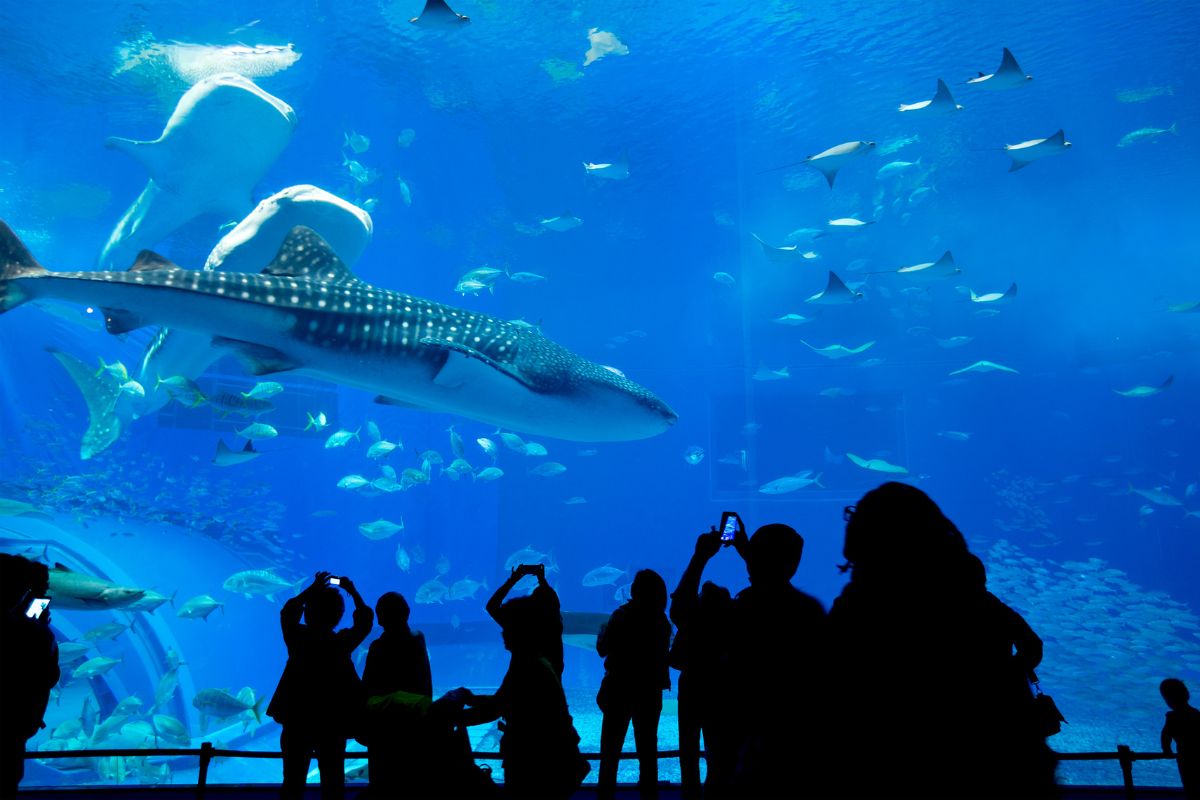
(397, 662)
(319, 699)
(1183, 728)
(635, 644)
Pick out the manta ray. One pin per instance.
(942, 102)
(1025, 153)
(222, 137)
(307, 312)
(944, 267)
(1007, 76)
(828, 162)
(438, 14)
(835, 293)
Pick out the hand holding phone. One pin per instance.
(37, 606)
(731, 524)
(335, 581)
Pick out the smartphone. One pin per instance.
(731, 523)
(37, 606)
(335, 581)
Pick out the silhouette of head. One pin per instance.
(897, 526)
(773, 554)
(649, 590)
(714, 599)
(392, 610)
(20, 577)
(1175, 692)
(519, 629)
(324, 608)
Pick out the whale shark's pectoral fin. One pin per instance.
(118, 321)
(465, 365)
(258, 358)
(304, 254)
(384, 400)
(152, 155)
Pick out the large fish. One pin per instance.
(86, 592)
(307, 311)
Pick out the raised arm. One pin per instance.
(363, 616)
(293, 610)
(497, 599)
(683, 599)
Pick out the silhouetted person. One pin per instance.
(319, 700)
(702, 617)
(778, 649)
(547, 611)
(923, 655)
(635, 644)
(1183, 728)
(28, 664)
(397, 662)
(539, 746)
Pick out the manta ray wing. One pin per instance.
(1009, 66)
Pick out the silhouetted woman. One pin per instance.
(399, 690)
(635, 644)
(924, 672)
(319, 698)
(539, 746)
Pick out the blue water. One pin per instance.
(1101, 241)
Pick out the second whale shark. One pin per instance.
(306, 311)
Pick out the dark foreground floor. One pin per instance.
(270, 792)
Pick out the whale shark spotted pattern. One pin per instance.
(307, 311)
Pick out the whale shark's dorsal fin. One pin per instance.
(304, 254)
(1058, 139)
(148, 260)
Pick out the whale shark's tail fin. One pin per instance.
(15, 262)
(100, 391)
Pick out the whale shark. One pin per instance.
(942, 102)
(245, 248)
(223, 135)
(307, 312)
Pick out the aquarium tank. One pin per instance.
(559, 283)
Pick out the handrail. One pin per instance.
(206, 753)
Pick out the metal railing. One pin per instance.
(1125, 755)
